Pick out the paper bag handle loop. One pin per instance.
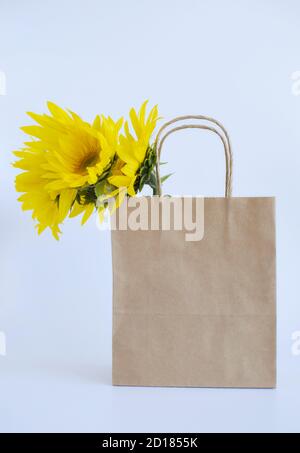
(223, 134)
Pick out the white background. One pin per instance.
(229, 59)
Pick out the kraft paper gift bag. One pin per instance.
(197, 313)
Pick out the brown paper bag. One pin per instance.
(197, 313)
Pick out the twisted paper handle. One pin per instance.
(222, 133)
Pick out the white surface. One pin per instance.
(230, 59)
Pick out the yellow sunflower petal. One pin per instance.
(66, 199)
(87, 213)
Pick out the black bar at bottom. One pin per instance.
(139, 441)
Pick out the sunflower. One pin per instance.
(47, 208)
(136, 158)
(63, 163)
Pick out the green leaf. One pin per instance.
(152, 158)
(144, 171)
(164, 178)
(152, 180)
(142, 182)
(99, 188)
